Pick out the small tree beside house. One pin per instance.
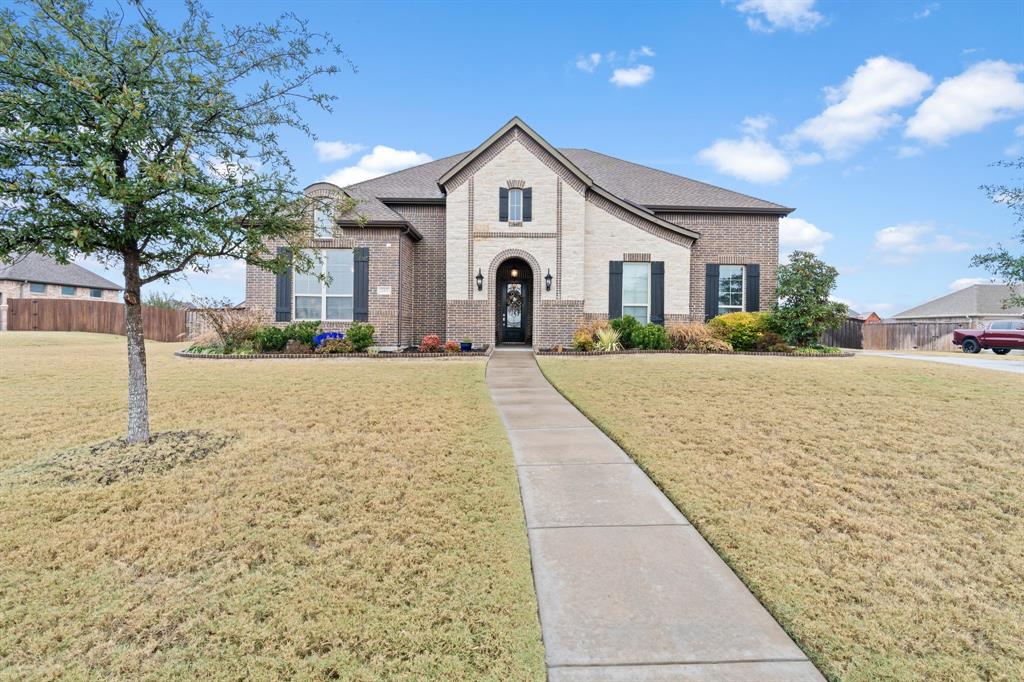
(804, 310)
(152, 148)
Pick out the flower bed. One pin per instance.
(406, 354)
(642, 351)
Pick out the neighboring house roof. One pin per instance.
(978, 299)
(35, 267)
(638, 189)
(855, 315)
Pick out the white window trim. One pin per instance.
(323, 293)
(724, 309)
(511, 217)
(622, 295)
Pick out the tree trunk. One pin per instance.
(138, 390)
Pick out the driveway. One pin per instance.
(978, 361)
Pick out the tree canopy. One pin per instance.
(1001, 261)
(804, 310)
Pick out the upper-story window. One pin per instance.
(731, 289)
(67, 291)
(515, 205)
(323, 221)
(96, 293)
(37, 287)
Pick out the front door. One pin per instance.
(514, 296)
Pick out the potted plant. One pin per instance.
(466, 345)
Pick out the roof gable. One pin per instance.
(977, 299)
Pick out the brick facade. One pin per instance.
(428, 271)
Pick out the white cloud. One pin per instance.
(986, 92)
(768, 16)
(796, 234)
(903, 241)
(336, 150)
(632, 77)
(907, 151)
(381, 161)
(965, 282)
(756, 125)
(588, 62)
(750, 159)
(863, 107)
(926, 11)
(1019, 130)
(642, 51)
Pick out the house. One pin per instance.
(869, 318)
(970, 306)
(518, 241)
(34, 275)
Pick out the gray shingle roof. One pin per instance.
(978, 299)
(34, 267)
(642, 186)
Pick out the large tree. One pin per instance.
(152, 148)
(804, 310)
(1004, 263)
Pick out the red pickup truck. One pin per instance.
(1001, 336)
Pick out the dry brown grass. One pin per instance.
(875, 505)
(363, 523)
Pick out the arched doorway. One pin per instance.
(514, 302)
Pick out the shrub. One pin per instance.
(607, 340)
(451, 346)
(741, 330)
(431, 343)
(360, 335)
(233, 326)
(817, 350)
(651, 337)
(627, 327)
(710, 345)
(303, 332)
(583, 340)
(333, 346)
(682, 336)
(320, 338)
(780, 348)
(766, 340)
(269, 339)
(297, 347)
(804, 310)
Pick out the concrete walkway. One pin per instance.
(627, 589)
(980, 362)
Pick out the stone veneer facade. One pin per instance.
(18, 289)
(573, 234)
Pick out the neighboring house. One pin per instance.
(519, 242)
(970, 306)
(34, 275)
(869, 318)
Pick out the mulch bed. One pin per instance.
(383, 355)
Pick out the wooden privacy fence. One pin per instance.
(849, 335)
(910, 336)
(73, 315)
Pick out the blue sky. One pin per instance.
(877, 121)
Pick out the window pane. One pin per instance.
(96, 293)
(634, 283)
(307, 307)
(340, 269)
(37, 288)
(339, 307)
(730, 287)
(639, 312)
(67, 291)
(308, 282)
(515, 204)
(323, 223)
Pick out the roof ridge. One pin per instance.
(403, 170)
(674, 175)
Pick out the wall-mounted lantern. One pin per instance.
(515, 273)
(547, 281)
(479, 279)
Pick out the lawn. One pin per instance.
(363, 522)
(875, 505)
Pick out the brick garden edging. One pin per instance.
(471, 355)
(638, 351)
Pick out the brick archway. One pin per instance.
(492, 273)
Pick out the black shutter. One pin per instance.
(503, 204)
(614, 289)
(658, 292)
(753, 287)
(283, 296)
(361, 284)
(527, 204)
(711, 291)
